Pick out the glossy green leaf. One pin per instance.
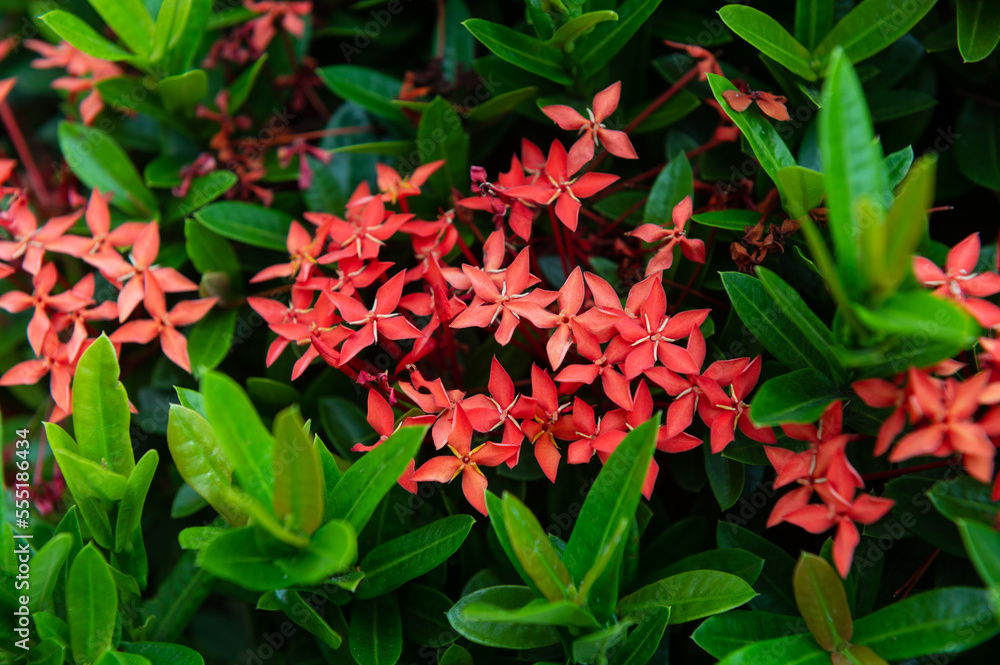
(90, 506)
(692, 595)
(130, 21)
(402, 559)
(424, 612)
(737, 562)
(500, 105)
(775, 581)
(977, 144)
(248, 223)
(210, 252)
(363, 485)
(171, 22)
(853, 168)
(393, 148)
(767, 144)
(870, 27)
(46, 567)
(978, 28)
(723, 634)
(521, 50)
(672, 184)
(368, 88)
(130, 508)
(789, 650)
(241, 434)
(87, 479)
(305, 615)
(897, 165)
(770, 38)
(441, 136)
(201, 462)
(595, 647)
(495, 509)
(538, 612)
(796, 397)
(566, 33)
(765, 317)
(100, 163)
(964, 498)
(234, 555)
(802, 189)
(91, 605)
(643, 641)
(501, 635)
(821, 598)
(375, 634)
(111, 657)
(298, 475)
(240, 88)
(982, 542)
(939, 621)
(813, 19)
(203, 190)
(456, 655)
(614, 495)
(80, 35)
(732, 220)
(211, 340)
(100, 409)
(725, 476)
(178, 598)
(920, 312)
(160, 653)
(51, 628)
(535, 551)
(609, 38)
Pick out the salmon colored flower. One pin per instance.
(772, 105)
(29, 242)
(692, 248)
(960, 282)
(592, 129)
(41, 299)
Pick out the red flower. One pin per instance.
(545, 421)
(602, 364)
(487, 412)
(383, 421)
(465, 460)
(41, 299)
(382, 317)
(959, 281)
(103, 239)
(723, 412)
(29, 242)
(692, 248)
(54, 361)
(164, 324)
(771, 105)
(303, 249)
(592, 128)
(290, 14)
(299, 148)
(363, 234)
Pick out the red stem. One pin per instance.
(24, 152)
(557, 234)
(893, 473)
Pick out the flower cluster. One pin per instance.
(63, 315)
(600, 364)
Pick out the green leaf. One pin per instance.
(796, 397)
(614, 495)
(241, 434)
(130, 508)
(305, 615)
(459, 45)
(240, 88)
(332, 549)
(770, 38)
(501, 635)
(519, 49)
(158, 653)
(368, 88)
(298, 475)
(795, 308)
(596, 646)
(130, 21)
(100, 163)
(201, 462)
(733, 220)
(767, 144)
(964, 498)
(940, 621)
(737, 562)
(362, 486)
(100, 409)
(92, 511)
(775, 581)
(888, 249)
(643, 641)
(977, 144)
(723, 634)
(765, 318)
(393, 148)
(235, 555)
(982, 542)
(563, 37)
(535, 552)
(402, 559)
(247, 223)
(897, 165)
(978, 28)
(440, 136)
(81, 36)
(500, 105)
(802, 189)
(538, 612)
(495, 509)
(608, 39)
(375, 634)
(183, 47)
(925, 315)
(455, 655)
(690, 596)
(853, 168)
(793, 650)
(822, 601)
(870, 27)
(203, 190)
(51, 628)
(87, 479)
(424, 612)
(725, 476)
(182, 92)
(211, 340)
(813, 20)
(672, 184)
(91, 605)
(177, 599)
(46, 566)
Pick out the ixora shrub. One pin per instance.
(385, 333)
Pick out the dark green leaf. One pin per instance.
(775, 582)
(375, 634)
(91, 605)
(100, 409)
(521, 50)
(80, 35)
(790, 650)
(240, 88)
(580, 25)
(725, 476)
(130, 508)
(821, 598)
(608, 39)
(502, 635)
(670, 187)
(441, 136)
(234, 555)
(538, 612)
(46, 566)
(177, 599)
(369, 89)
(769, 37)
(211, 340)
(737, 562)
(692, 595)
(982, 542)
(733, 220)
(643, 641)
(247, 223)
(978, 28)
(813, 19)
(725, 633)
(977, 144)
(304, 614)
(535, 551)
(870, 27)
(797, 397)
(158, 653)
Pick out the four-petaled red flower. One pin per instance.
(592, 128)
